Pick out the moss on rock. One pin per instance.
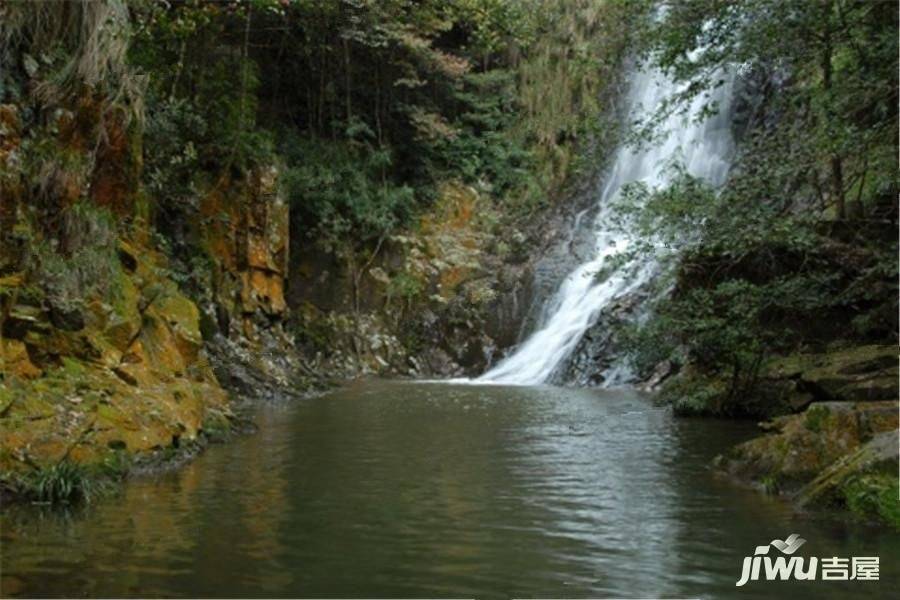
(824, 455)
(133, 379)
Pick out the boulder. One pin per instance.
(800, 447)
(878, 454)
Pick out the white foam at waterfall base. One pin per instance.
(704, 147)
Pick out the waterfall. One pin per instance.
(704, 146)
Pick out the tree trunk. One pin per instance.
(837, 186)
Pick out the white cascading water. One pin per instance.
(704, 147)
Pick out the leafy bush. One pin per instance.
(872, 495)
(480, 148)
(405, 287)
(339, 192)
(202, 99)
(175, 133)
(745, 279)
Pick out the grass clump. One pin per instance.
(63, 483)
(816, 418)
(875, 495)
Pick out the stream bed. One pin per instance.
(425, 490)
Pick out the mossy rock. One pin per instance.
(182, 317)
(874, 496)
(857, 374)
(82, 410)
(131, 381)
(15, 361)
(802, 446)
(865, 481)
(124, 320)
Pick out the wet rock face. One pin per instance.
(505, 317)
(129, 374)
(103, 353)
(596, 354)
(477, 290)
(115, 179)
(124, 365)
(591, 358)
(554, 244)
(265, 246)
(245, 232)
(246, 235)
(453, 343)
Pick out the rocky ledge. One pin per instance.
(841, 449)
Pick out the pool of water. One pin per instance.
(416, 490)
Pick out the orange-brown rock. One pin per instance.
(247, 237)
(134, 377)
(15, 361)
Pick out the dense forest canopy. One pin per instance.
(367, 106)
(368, 103)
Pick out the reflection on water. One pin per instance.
(424, 490)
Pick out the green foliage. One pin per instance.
(62, 483)
(404, 286)
(694, 396)
(828, 128)
(816, 418)
(478, 147)
(82, 261)
(745, 280)
(115, 465)
(770, 484)
(202, 99)
(494, 26)
(568, 79)
(874, 495)
(398, 96)
(338, 192)
(648, 343)
(174, 131)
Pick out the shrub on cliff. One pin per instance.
(745, 282)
